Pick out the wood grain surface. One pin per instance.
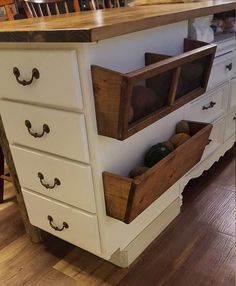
(91, 26)
(197, 249)
(126, 199)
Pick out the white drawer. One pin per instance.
(58, 83)
(68, 181)
(230, 125)
(67, 136)
(216, 138)
(222, 70)
(233, 94)
(210, 106)
(82, 228)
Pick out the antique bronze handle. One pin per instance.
(211, 105)
(57, 182)
(229, 67)
(35, 74)
(64, 225)
(46, 129)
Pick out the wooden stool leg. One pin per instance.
(1, 173)
(34, 233)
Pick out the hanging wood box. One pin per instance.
(171, 81)
(126, 198)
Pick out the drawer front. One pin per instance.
(58, 83)
(66, 137)
(222, 70)
(210, 106)
(233, 94)
(230, 127)
(216, 137)
(61, 179)
(82, 228)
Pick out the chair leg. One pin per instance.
(1, 173)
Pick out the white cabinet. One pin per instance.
(66, 135)
(233, 94)
(58, 83)
(51, 127)
(64, 180)
(230, 127)
(210, 106)
(222, 70)
(81, 230)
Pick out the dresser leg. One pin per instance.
(34, 233)
(1, 173)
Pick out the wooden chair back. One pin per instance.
(41, 8)
(7, 6)
(103, 4)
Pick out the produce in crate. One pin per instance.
(144, 101)
(179, 139)
(156, 153)
(160, 150)
(182, 127)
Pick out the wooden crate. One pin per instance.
(113, 91)
(126, 198)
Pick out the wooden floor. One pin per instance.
(198, 248)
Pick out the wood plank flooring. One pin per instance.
(197, 249)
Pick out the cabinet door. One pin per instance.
(57, 132)
(55, 177)
(63, 221)
(230, 127)
(216, 137)
(57, 82)
(233, 94)
(222, 70)
(210, 106)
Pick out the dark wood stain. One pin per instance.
(92, 26)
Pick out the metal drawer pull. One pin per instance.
(211, 105)
(234, 118)
(57, 182)
(64, 225)
(209, 141)
(46, 129)
(229, 67)
(35, 74)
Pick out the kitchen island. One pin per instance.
(72, 164)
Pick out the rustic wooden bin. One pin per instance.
(113, 90)
(126, 198)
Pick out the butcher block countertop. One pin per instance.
(92, 26)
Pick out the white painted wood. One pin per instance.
(112, 155)
(220, 73)
(67, 135)
(233, 94)
(230, 126)
(225, 43)
(125, 257)
(76, 186)
(216, 137)
(109, 154)
(219, 96)
(83, 227)
(206, 164)
(58, 85)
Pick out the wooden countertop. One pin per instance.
(93, 26)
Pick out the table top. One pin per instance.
(92, 26)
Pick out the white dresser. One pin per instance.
(51, 126)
